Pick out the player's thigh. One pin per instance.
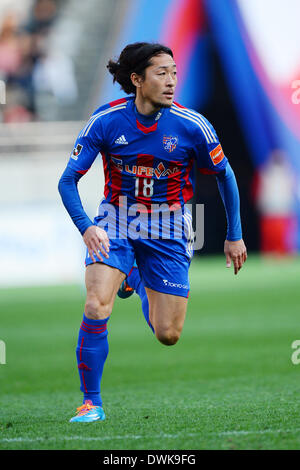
(103, 279)
(167, 314)
(102, 284)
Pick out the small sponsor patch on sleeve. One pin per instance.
(217, 154)
(76, 152)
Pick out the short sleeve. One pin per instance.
(89, 143)
(208, 150)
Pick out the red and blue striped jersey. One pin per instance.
(149, 159)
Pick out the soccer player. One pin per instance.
(149, 144)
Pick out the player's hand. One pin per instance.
(96, 239)
(235, 251)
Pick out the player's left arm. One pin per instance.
(211, 160)
(234, 246)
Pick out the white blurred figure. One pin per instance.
(276, 197)
(54, 75)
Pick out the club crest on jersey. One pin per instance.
(76, 152)
(170, 143)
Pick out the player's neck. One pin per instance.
(145, 107)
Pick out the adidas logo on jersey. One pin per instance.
(121, 140)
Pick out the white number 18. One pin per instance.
(147, 187)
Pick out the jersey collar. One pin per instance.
(147, 124)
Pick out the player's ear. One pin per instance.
(136, 79)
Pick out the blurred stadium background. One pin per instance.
(239, 65)
(238, 62)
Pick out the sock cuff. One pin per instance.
(98, 327)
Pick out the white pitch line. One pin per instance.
(158, 436)
(263, 431)
(68, 438)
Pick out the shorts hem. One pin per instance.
(107, 264)
(169, 293)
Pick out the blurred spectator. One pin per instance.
(44, 13)
(10, 48)
(54, 75)
(275, 195)
(22, 48)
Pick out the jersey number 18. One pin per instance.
(147, 187)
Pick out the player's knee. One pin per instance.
(97, 309)
(168, 337)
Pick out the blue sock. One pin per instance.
(91, 353)
(134, 280)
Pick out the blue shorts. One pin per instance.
(163, 263)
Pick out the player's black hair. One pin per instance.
(134, 58)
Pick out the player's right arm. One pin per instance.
(86, 149)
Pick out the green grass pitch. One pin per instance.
(229, 383)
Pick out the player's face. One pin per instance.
(160, 81)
